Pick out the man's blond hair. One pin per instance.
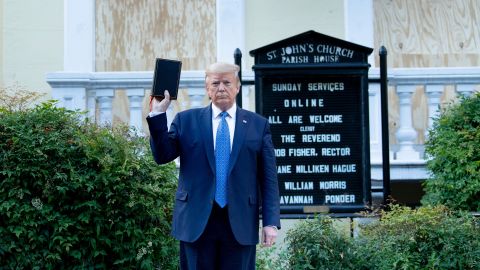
(222, 67)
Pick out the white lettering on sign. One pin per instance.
(296, 199)
(302, 152)
(296, 49)
(295, 59)
(288, 138)
(325, 58)
(321, 138)
(271, 55)
(334, 50)
(333, 152)
(274, 119)
(344, 168)
(284, 169)
(339, 199)
(332, 185)
(278, 87)
(322, 168)
(307, 128)
(326, 118)
(280, 152)
(298, 53)
(329, 86)
(303, 103)
(295, 119)
(298, 185)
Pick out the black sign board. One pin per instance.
(314, 91)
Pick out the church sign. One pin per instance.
(313, 89)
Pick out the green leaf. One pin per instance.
(18, 231)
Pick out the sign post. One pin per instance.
(314, 91)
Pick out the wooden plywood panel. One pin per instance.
(428, 33)
(130, 34)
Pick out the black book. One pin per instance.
(166, 77)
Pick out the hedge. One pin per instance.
(74, 195)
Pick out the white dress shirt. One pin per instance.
(230, 121)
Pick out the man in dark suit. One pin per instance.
(227, 175)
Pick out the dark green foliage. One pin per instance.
(272, 258)
(316, 244)
(77, 196)
(430, 237)
(453, 151)
(311, 244)
(425, 238)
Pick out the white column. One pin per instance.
(466, 89)
(406, 134)
(105, 99)
(91, 104)
(79, 35)
(375, 121)
(135, 97)
(434, 93)
(230, 29)
(359, 24)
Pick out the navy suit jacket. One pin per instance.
(252, 178)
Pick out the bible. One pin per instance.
(166, 77)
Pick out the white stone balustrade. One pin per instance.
(406, 134)
(104, 99)
(434, 93)
(465, 89)
(434, 80)
(94, 92)
(135, 98)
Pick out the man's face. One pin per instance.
(222, 88)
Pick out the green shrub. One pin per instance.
(430, 237)
(453, 151)
(272, 258)
(77, 196)
(317, 244)
(425, 238)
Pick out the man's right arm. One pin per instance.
(163, 143)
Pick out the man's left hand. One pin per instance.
(269, 235)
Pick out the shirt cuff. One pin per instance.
(273, 226)
(152, 114)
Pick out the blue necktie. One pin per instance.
(222, 157)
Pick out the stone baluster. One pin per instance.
(375, 122)
(91, 105)
(406, 134)
(466, 89)
(135, 97)
(434, 93)
(105, 99)
(196, 96)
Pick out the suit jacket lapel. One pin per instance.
(241, 126)
(205, 123)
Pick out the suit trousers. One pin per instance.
(217, 248)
